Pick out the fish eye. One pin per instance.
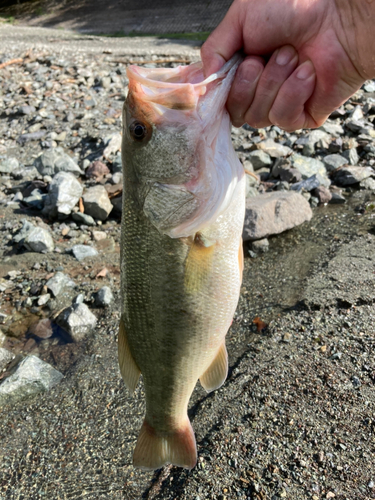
(138, 131)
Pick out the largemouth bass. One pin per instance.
(181, 248)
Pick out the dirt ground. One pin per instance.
(121, 16)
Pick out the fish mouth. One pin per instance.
(175, 88)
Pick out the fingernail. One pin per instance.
(250, 72)
(285, 55)
(305, 70)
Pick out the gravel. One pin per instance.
(295, 418)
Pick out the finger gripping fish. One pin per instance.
(181, 248)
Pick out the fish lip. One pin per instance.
(133, 71)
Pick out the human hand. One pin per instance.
(315, 63)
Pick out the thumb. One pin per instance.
(223, 42)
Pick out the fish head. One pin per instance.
(176, 132)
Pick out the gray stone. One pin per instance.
(307, 184)
(259, 159)
(310, 166)
(337, 197)
(104, 297)
(117, 202)
(25, 230)
(332, 128)
(43, 299)
(117, 164)
(55, 160)
(369, 86)
(58, 282)
(368, 183)
(117, 178)
(351, 175)
(64, 192)
(83, 218)
(36, 199)
(331, 162)
(274, 149)
(31, 377)
(5, 358)
(273, 213)
(351, 156)
(97, 203)
(260, 246)
(8, 165)
(82, 252)
(39, 240)
(78, 321)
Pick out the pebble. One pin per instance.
(78, 321)
(56, 160)
(82, 252)
(64, 193)
(31, 377)
(39, 240)
(349, 175)
(5, 358)
(58, 283)
(97, 203)
(104, 297)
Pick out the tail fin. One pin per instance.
(154, 450)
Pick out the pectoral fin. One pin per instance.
(217, 372)
(198, 265)
(128, 367)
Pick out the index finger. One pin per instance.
(223, 42)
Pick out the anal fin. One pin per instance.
(128, 367)
(217, 372)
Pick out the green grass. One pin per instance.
(8, 19)
(200, 36)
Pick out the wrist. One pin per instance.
(355, 32)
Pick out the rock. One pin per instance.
(39, 240)
(259, 159)
(97, 203)
(25, 230)
(260, 246)
(273, 213)
(55, 160)
(63, 195)
(274, 149)
(31, 377)
(337, 197)
(99, 235)
(83, 218)
(332, 162)
(43, 299)
(368, 183)
(8, 165)
(82, 252)
(117, 164)
(351, 156)
(117, 178)
(97, 170)
(78, 321)
(104, 297)
(332, 128)
(310, 166)
(351, 175)
(43, 329)
(58, 282)
(36, 199)
(5, 358)
(114, 145)
(323, 194)
(308, 184)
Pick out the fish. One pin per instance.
(181, 248)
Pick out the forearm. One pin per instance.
(356, 19)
